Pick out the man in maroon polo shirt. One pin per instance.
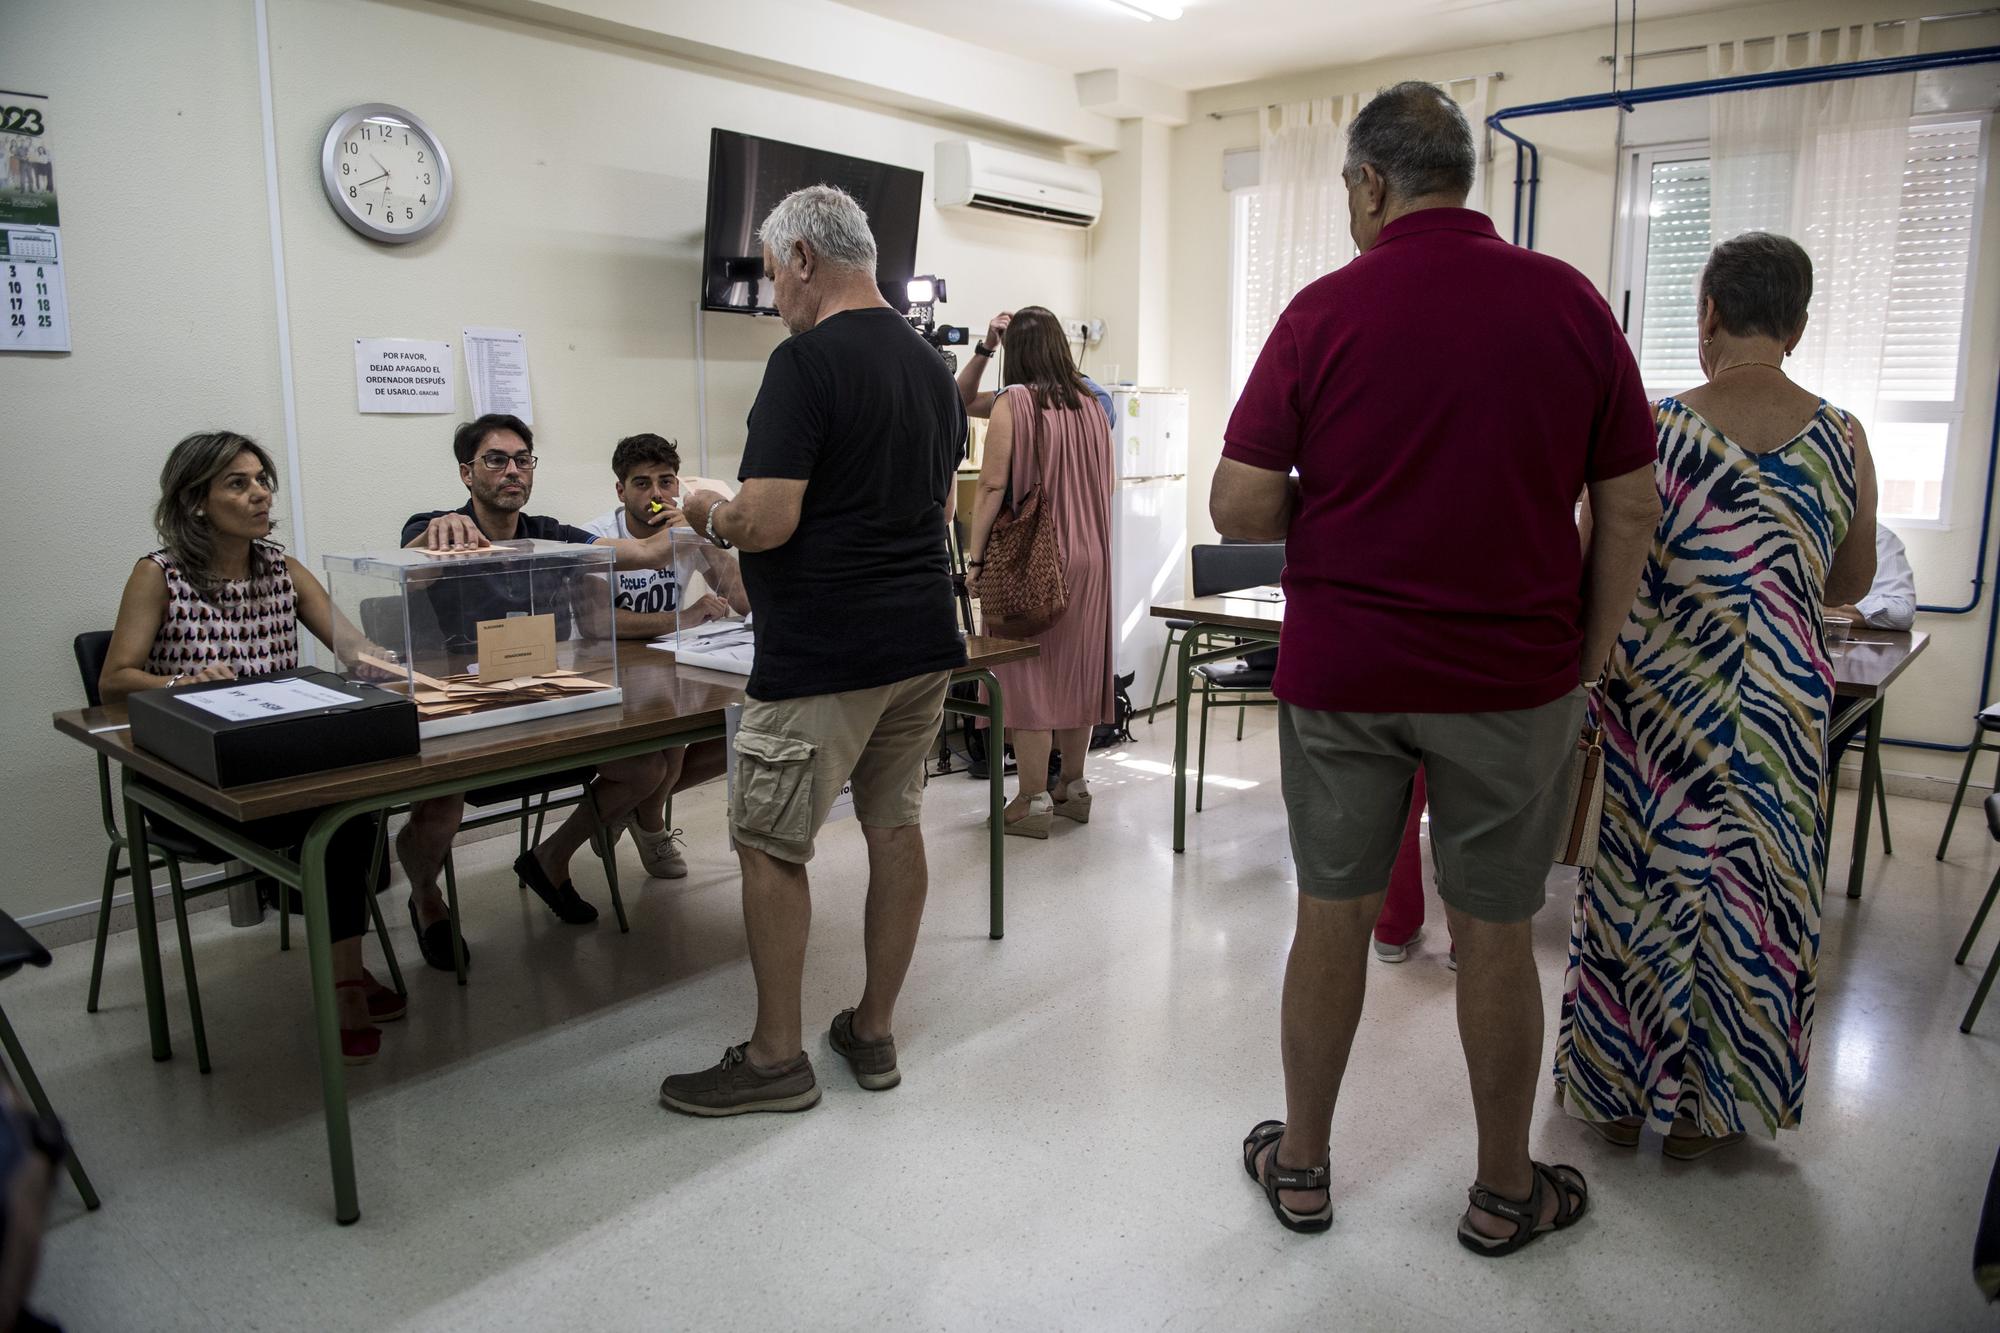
(1442, 400)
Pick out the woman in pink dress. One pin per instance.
(1046, 429)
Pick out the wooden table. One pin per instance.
(664, 706)
(1864, 667)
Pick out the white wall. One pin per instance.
(581, 184)
(1936, 699)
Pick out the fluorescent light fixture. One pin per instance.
(1148, 10)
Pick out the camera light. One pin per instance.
(922, 291)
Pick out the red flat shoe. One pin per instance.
(359, 1045)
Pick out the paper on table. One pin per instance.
(268, 698)
(496, 361)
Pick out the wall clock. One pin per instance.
(385, 173)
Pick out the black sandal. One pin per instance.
(1265, 1135)
(1525, 1214)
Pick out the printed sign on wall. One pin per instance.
(405, 375)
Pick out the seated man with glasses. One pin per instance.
(496, 463)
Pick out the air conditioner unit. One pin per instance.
(977, 175)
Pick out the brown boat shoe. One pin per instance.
(737, 1087)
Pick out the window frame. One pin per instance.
(1628, 269)
(1629, 238)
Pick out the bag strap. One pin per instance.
(1024, 469)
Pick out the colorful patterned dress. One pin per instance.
(1694, 941)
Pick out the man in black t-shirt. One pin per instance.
(496, 463)
(847, 493)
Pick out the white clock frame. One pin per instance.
(329, 160)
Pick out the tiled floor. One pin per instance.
(1062, 1152)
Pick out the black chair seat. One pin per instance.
(1993, 815)
(508, 792)
(1181, 625)
(1989, 718)
(1236, 675)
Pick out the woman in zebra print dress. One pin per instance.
(1688, 1006)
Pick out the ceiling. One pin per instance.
(1232, 41)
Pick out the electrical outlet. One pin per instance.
(1087, 331)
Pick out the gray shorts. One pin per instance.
(1499, 799)
(794, 755)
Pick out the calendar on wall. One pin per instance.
(31, 277)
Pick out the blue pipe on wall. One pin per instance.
(1672, 92)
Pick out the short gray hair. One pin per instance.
(830, 223)
(1761, 283)
(1416, 136)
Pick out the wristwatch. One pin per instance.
(714, 537)
(981, 349)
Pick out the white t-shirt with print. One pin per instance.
(645, 591)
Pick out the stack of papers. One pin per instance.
(448, 696)
(724, 645)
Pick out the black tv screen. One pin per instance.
(747, 176)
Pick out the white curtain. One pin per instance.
(1823, 164)
(1302, 207)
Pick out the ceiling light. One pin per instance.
(1148, 10)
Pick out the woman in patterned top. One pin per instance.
(220, 600)
(1689, 1003)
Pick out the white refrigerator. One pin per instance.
(1148, 524)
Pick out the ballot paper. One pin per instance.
(271, 698)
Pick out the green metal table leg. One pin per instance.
(187, 963)
(326, 1017)
(1864, 806)
(1184, 673)
(103, 927)
(451, 911)
(147, 926)
(377, 872)
(19, 1058)
(996, 779)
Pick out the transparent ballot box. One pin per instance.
(510, 632)
(711, 609)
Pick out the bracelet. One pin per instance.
(176, 679)
(715, 537)
(975, 564)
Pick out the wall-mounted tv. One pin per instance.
(747, 176)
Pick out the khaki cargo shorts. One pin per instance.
(1499, 799)
(794, 755)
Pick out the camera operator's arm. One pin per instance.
(979, 404)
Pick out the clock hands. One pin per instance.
(370, 181)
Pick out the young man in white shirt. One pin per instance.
(649, 603)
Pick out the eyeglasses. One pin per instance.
(495, 461)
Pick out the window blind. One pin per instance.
(1932, 268)
(1677, 245)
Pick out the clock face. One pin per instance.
(385, 173)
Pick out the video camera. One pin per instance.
(925, 293)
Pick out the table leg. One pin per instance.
(1181, 677)
(1864, 805)
(145, 924)
(326, 1018)
(996, 799)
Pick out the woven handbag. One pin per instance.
(1576, 844)
(1021, 587)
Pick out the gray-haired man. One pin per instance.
(847, 491)
(1443, 398)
